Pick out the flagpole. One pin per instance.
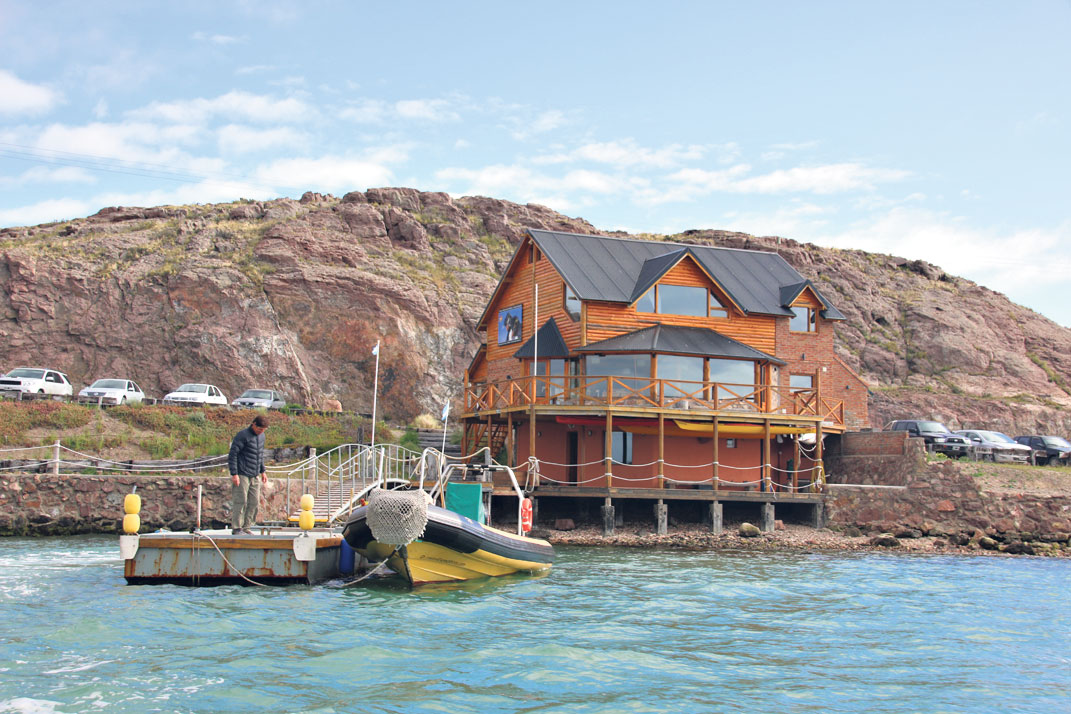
(375, 393)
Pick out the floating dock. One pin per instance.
(271, 556)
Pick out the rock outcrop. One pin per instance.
(294, 294)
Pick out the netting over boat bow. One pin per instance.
(397, 517)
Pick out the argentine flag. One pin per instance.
(375, 350)
(446, 411)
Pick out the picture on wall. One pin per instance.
(509, 324)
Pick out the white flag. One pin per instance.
(446, 411)
(375, 350)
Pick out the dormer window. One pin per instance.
(675, 300)
(571, 303)
(804, 319)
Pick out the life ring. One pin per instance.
(526, 514)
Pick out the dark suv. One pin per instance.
(1052, 450)
(937, 436)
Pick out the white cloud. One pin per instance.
(365, 111)
(429, 109)
(825, 179)
(241, 139)
(54, 209)
(19, 97)
(140, 142)
(235, 105)
(627, 153)
(254, 69)
(328, 173)
(100, 111)
(217, 39)
(48, 174)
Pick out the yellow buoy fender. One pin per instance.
(307, 502)
(306, 520)
(131, 523)
(132, 503)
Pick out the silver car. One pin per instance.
(260, 399)
(995, 446)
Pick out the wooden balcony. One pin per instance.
(642, 394)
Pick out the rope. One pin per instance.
(372, 572)
(202, 534)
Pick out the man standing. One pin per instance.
(246, 463)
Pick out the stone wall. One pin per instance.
(44, 504)
(913, 497)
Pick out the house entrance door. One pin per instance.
(573, 456)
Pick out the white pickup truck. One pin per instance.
(35, 380)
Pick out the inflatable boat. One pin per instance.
(451, 548)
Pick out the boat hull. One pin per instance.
(453, 548)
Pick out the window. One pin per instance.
(801, 381)
(716, 309)
(557, 372)
(572, 304)
(677, 367)
(675, 300)
(622, 447)
(635, 371)
(682, 300)
(735, 378)
(804, 319)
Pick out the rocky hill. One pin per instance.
(294, 294)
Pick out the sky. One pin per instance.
(934, 131)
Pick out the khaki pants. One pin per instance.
(244, 500)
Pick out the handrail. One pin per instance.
(584, 390)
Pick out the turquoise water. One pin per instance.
(609, 630)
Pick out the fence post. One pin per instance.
(315, 468)
(55, 458)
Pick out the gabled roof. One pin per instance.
(679, 340)
(614, 269)
(653, 269)
(551, 343)
(789, 293)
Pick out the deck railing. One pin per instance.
(651, 393)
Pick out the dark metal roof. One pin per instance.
(679, 340)
(653, 269)
(614, 269)
(551, 343)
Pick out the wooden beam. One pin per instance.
(509, 440)
(796, 468)
(818, 451)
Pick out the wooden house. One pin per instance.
(628, 364)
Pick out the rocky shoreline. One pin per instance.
(799, 538)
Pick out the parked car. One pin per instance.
(190, 394)
(1053, 450)
(112, 391)
(260, 399)
(937, 436)
(995, 446)
(36, 380)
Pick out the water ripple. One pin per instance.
(609, 630)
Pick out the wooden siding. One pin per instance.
(518, 289)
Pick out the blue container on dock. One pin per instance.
(346, 558)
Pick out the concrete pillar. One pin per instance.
(661, 513)
(608, 518)
(55, 458)
(818, 516)
(767, 519)
(716, 522)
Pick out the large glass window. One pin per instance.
(572, 304)
(678, 367)
(738, 374)
(801, 381)
(556, 369)
(635, 371)
(622, 447)
(682, 300)
(804, 319)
